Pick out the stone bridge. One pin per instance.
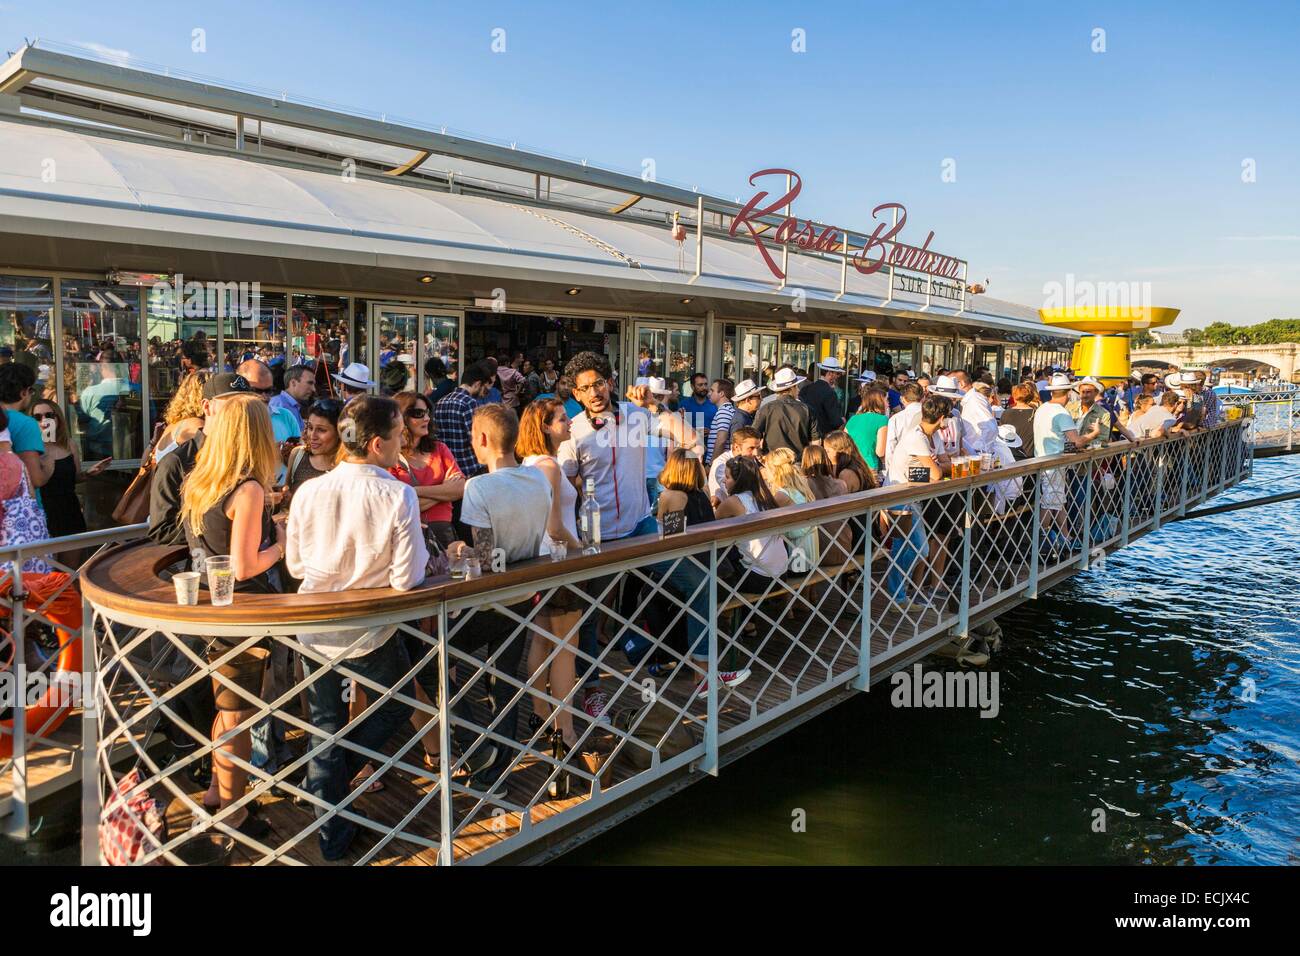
(1285, 357)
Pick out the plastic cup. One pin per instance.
(221, 580)
(987, 462)
(559, 550)
(473, 569)
(187, 587)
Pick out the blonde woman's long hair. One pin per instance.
(785, 473)
(238, 445)
(188, 400)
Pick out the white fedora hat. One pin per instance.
(1010, 437)
(831, 364)
(745, 389)
(946, 385)
(867, 376)
(355, 375)
(1059, 382)
(1089, 380)
(1190, 378)
(657, 385)
(784, 379)
(1173, 380)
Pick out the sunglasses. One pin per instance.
(44, 416)
(325, 407)
(417, 413)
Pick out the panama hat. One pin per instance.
(355, 375)
(745, 390)
(867, 376)
(1089, 380)
(1190, 378)
(657, 386)
(1059, 382)
(946, 385)
(785, 379)
(1173, 380)
(1010, 437)
(831, 364)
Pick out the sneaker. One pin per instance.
(595, 704)
(725, 679)
(490, 781)
(481, 759)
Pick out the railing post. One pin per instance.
(1290, 421)
(1036, 534)
(710, 763)
(863, 680)
(90, 704)
(1125, 521)
(1085, 534)
(963, 604)
(446, 847)
(1184, 467)
(20, 818)
(1160, 459)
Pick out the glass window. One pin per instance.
(261, 332)
(441, 339)
(799, 349)
(319, 328)
(760, 356)
(891, 355)
(182, 333)
(934, 356)
(729, 334)
(102, 392)
(26, 304)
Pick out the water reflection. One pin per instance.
(1159, 694)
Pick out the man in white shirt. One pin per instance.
(355, 527)
(902, 421)
(506, 511)
(607, 445)
(977, 415)
(1055, 433)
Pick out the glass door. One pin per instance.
(758, 356)
(402, 338)
(986, 356)
(799, 349)
(848, 349)
(667, 351)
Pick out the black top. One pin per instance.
(826, 407)
(165, 492)
(215, 539)
(786, 422)
(1023, 419)
(698, 511)
(63, 512)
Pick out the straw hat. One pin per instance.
(1059, 382)
(831, 364)
(785, 379)
(746, 389)
(355, 375)
(1010, 437)
(656, 385)
(1089, 380)
(946, 385)
(1173, 380)
(867, 376)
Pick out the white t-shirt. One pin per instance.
(615, 458)
(1154, 417)
(914, 444)
(1051, 422)
(717, 472)
(4, 435)
(515, 503)
(900, 424)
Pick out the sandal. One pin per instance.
(253, 826)
(367, 770)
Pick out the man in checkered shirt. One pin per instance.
(454, 414)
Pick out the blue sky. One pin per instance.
(1117, 166)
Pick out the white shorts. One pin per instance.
(1053, 493)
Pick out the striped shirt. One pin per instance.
(721, 425)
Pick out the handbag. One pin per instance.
(134, 506)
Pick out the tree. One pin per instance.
(1142, 339)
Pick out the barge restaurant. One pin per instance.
(358, 229)
(319, 232)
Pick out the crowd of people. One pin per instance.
(323, 494)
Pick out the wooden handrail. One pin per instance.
(127, 580)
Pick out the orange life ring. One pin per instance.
(64, 611)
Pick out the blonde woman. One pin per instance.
(782, 474)
(183, 418)
(226, 510)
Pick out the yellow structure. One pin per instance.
(1104, 354)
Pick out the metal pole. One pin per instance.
(1290, 421)
(446, 849)
(1127, 503)
(863, 680)
(710, 763)
(1035, 543)
(785, 246)
(1086, 531)
(20, 824)
(963, 604)
(90, 795)
(1161, 458)
(1184, 466)
(699, 238)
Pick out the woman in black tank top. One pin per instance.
(225, 510)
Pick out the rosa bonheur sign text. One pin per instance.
(878, 250)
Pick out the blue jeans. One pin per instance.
(906, 549)
(681, 582)
(588, 644)
(329, 772)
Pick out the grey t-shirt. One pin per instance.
(515, 503)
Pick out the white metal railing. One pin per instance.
(65, 555)
(1276, 417)
(877, 579)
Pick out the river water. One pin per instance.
(1150, 712)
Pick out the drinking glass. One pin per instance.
(473, 569)
(187, 587)
(221, 580)
(460, 566)
(559, 550)
(987, 462)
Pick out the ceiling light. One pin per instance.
(686, 301)
(574, 291)
(775, 308)
(426, 279)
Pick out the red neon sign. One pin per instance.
(880, 249)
